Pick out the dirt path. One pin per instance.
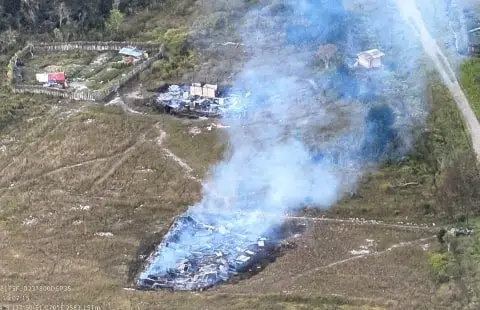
(361, 256)
(365, 222)
(126, 155)
(189, 170)
(413, 17)
(118, 101)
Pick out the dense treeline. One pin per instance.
(45, 15)
(64, 19)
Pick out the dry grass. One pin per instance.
(69, 175)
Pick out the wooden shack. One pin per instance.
(131, 55)
(370, 59)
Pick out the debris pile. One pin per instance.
(196, 255)
(185, 101)
(455, 231)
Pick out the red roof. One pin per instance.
(57, 77)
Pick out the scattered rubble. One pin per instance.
(216, 125)
(195, 131)
(30, 221)
(104, 234)
(80, 208)
(460, 231)
(369, 247)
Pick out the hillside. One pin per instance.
(87, 189)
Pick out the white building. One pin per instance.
(370, 59)
(196, 89)
(207, 90)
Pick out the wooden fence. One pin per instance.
(474, 49)
(86, 94)
(13, 62)
(95, 46)
(104, 93)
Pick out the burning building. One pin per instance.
(196, 101)
(217, 252)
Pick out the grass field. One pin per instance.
(83, 186)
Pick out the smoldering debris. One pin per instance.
(208, 262)
(185, 101)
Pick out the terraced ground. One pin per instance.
(83, 69)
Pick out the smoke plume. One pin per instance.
(305, 134)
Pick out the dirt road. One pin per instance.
(413, 17)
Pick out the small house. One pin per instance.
(370, 59)
(41, 77)
(51, 78)
(58, 77)
(131, 54)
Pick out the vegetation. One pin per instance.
(134, 189)
(424, 185)
(455, 259)
(439, 262)
(114, 22)
(470, 80)
(73, 19)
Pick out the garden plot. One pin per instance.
(83, 69)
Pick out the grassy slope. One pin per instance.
(132, 203)
(458, 269)
(383, 193)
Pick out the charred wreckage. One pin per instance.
(194, 255)
(198, 100)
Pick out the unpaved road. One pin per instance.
(413, 17)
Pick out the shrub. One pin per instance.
(175, 40)
(119, 65)
(438, 263)
(384, 187)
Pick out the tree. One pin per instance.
(58, 34)
(326, 53)
(8, 39)
(63, 13)
(114, 21)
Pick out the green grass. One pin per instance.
(456, 264)
(442, 144)
(470, 81)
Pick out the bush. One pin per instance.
(119, 65)
(384, 187)
(175, 40)
(438, 263)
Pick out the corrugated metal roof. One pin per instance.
(42, 77)
(59, 76)
(135, 52)
(375, 53)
